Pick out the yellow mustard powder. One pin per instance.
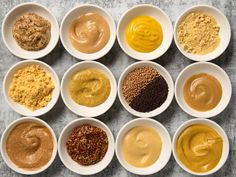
(32, 87)
(198, 33)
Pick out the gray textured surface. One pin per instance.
(116, 60)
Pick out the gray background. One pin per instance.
(117, 61)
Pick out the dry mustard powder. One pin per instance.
(198, 33)
(32, 87)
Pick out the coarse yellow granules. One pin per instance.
(198, 33)
(32, 87)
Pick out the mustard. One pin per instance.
(144, 34)
(202, 92)
(89, 87)
(141, 146)
(199, 148)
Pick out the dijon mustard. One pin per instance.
(199, 147)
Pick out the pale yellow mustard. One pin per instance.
(89, 87)
(141, 146)
(199, 148)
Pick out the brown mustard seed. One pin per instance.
(136, 80)
(87, 144)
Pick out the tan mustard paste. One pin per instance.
(141, 146)
(30, 145)
(89, 33)
(89, 87)
(202, 92)
(199, 148)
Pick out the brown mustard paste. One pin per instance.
(89, 33)
(202, 92)
(30, 145)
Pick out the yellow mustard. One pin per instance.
(144, 34)
(89, 87)
(199, 148)
(141, 146)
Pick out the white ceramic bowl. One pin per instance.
(165, 151)
(84, 110)
(10, 19)
(225, 32)
(71, 16)
(73, 165)
(6, 157)
(209, 68)
(165, 74)
(20, 108)
(213, 125)
(160, 16)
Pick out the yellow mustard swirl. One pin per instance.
(199, 148)
(144, 34)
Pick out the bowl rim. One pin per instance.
(56, 84)
(202, 63)
(77, 121)
(184, 13)
(110, 23)
(136, 65)
(133, 122)
(49, 12)
(205, 122)
(15, 123)
(112, 85)
(123, 16)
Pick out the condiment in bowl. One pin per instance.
(202, 33)
(144, 32)
(143, 146)
(145, 89)
(28, 145)
(31, 87)
(200, 146)
(86, 146)
(203, 89)
(88, 88)
(88, 32)
(19, 31)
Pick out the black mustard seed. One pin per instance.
(152, 96)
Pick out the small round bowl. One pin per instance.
(217, 128)
(165, 150)
(165, 74)
(73, 14)
(211, 69)
(20, 108)
(5, 156)
(225, 32)
(15, 13)
(160, 16)
(84, 110)
(73, 165)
